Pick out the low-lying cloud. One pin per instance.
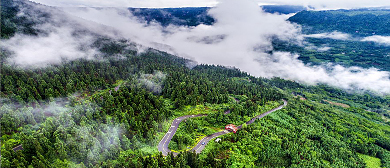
(59, 45)
(333, 35)
(126, 3)
(57, 37)
(332, 4)
(239, 39)
(318, 4)
(94, 141)
(288, 66)
(321, 48)
(384, 40)
(152, 82)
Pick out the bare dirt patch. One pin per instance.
(338, 104)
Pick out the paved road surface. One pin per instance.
(163, 145)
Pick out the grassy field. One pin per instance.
(371, 162)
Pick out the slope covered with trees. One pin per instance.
(174, 16)
(113, 112)
(118, 121)
(343, 52)
(361, 22)
(339, 37)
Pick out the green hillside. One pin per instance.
(101, 126)
(361, 22)
(113, 111)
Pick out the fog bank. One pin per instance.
(241, 39)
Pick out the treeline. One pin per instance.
(305, 134)
(90, 112)
(213, 84)
(365, 23)
(237, 113)
(60, 80)
(109, 122)
(368, 101)
(190, 16)
(344, 52)
(12, 23)
(105, 105)
(186, 159)
(107, 113)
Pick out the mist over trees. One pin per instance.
(113, 109)
(360, 22)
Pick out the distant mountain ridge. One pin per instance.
(109, 105)
(283, 9)
(193, 16)
(359, 22)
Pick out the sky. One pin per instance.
(318, 4)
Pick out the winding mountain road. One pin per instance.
(163, 145)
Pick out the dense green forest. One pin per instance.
(116, 118)
(283, 9)
(90, 113)
(113, 112)
(194, 16)
(359, 22)
(343, 52)
(174, 16)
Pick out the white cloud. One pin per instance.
(334, 35)
(332, 4)
(385, 40)
(353, 78)
(60, 38)
(59, 45)
(322, 48)
(318, 4)
(128, 3)
(152, 82)
(240, 39)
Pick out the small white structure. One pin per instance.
(218, 139)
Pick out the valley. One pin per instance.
(156, 87)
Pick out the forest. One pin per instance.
(353, 51)
(174, 16)
(114, 111)
(343, 52)
(90, 114)
(358, 22)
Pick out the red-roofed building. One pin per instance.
(231, 127)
